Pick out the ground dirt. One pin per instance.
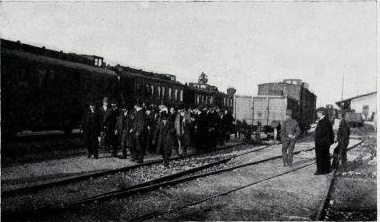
(353, 196)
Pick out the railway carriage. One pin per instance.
(45, 89)
(48, 90)
(203, 95)
(149, 88)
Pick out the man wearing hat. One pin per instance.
(109, 118)
(123, 127)
(343, 138)
(139, 130)
(324, 137)
(166, 132)
(289, 134)
(91, 130)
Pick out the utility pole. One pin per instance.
(341, 98)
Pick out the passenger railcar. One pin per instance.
(48, 90)
(148, 87)
(203, 95)
(45, 89)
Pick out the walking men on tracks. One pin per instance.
(91, 130)
(289, 134)
(324, 137)
(343, 138)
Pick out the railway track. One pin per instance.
(319, 215)
(85, 176)
(169, 180)
(324, 204)
(46, 210)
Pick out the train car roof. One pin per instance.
(54, 61)
(285, 83)
(146, 76)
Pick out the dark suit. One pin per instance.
(343, 139)
(166, 133)
(139, 129)
(91, 131)
(324, 137)
(123, 126)
(108, 137)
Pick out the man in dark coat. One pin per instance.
(139, 129)
(228, 125)
(202, 133)
(150, 129)
(123, 127)
(324, 137)
(343, 138)
(109, 118)
(166, 132)
(289, 134)
(91, 130)
(186, 131)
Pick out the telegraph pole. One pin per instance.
(341, 98)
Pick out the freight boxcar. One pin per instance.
(354, 119)
(305, 109)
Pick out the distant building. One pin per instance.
(364, 104)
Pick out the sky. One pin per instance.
(237, 44)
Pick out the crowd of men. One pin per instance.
(324, 138)
(154, 129)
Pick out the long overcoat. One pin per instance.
(91, 124)
(324, 134)
(166, 133)
(124, 126)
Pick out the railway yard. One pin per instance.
(189, 111)
(239, 181)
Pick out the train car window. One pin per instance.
(170, 93)
(197, 96)
(163, 92)
(159, 91)
(181, 95)
(152, 90)
(147, 90)
(176, 95)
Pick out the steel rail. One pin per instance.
(324, 204)
(135, 189)
(141, 188)
(158, 213)
(76, 178)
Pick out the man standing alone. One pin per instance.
(289, 133)
(343, 139)
(91, 130)
(324, 137)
